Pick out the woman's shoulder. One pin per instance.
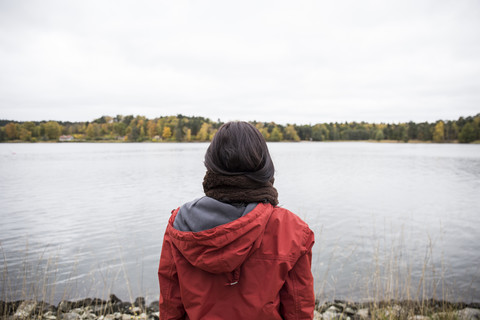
(289, 229)
(287, 217)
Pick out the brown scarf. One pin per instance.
(238, 189)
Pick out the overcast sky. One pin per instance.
(300, 62)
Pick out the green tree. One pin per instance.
(120, 128)
(141, 136)
(52, 130)
(304, 132)
(379, 135)
(179, 132)
(93, 131)
(320, 132)
(334, 132)
(467, 134)
(3, 135)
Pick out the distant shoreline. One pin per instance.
(288, 141)
(182, 128)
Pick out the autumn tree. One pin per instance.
(188, 134)
(291, 134)
(151, 128)
(167, 133)
(439, 132)
(203, 133)
(276, 135)
(24, 134)
(263, 130)
(93, 131)
(11, 131)
(52, 130)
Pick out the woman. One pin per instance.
(234, 254)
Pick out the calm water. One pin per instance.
(391, 220)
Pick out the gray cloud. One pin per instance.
(284, 61)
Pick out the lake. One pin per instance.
(390, 220)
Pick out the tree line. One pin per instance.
(182, 128)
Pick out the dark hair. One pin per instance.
(238, 148)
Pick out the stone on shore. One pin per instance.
(25, 310)
(469, 314)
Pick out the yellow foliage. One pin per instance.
(167, 133)
(439, 132)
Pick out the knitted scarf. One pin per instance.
(238, 189)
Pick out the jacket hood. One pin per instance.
(206, 213)
(222, 249)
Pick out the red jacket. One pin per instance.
(255, 267)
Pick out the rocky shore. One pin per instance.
(85, 309)
(408, 310)
(115, 309)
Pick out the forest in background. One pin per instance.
(182, 128)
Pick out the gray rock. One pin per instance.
(79, 311)
(123, 307)
(117, 315)
(469, 314)
(340, 306)
(49, 315)
(99, 309)
(140, 302)
(64, 306)
(137, 310)
(114, 299)
(363, 313)
(328, 315)
(8, 308)
(88, 316)
(141, 316)
(322, 308)
(154, 316)
(127, 317)
(349, 311)
(25, 310)
(395, 311)
(153, 307)
(71, 316)
(44, 307)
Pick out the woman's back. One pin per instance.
(255, 267)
